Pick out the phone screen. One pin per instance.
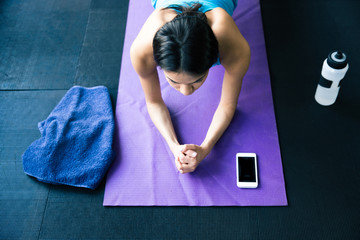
(246, 169)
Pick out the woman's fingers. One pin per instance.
(186, 160)
(178, 165)
(186, 168)
(189, 150)
(187, 147)
(191, 153)
(183, 158)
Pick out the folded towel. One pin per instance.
(75, 147)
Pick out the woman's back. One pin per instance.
(207, 5)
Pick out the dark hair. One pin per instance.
(186, 43)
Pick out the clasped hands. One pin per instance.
(188, 157)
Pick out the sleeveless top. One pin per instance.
(207, 5)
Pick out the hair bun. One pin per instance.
(191, 10)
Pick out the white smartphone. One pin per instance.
(246, 169)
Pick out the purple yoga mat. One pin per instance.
(144, 171)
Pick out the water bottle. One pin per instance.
(333, 71)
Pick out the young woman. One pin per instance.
(186, 39)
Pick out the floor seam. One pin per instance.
(82, 45)
(43, 216)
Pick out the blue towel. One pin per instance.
(75, 147)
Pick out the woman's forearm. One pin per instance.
(221, 120)
(160, 116)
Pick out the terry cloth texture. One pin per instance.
(75, 147)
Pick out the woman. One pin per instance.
(185, 40)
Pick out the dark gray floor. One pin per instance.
(47, 46)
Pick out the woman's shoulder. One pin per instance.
(232, 44)
(224, 28)
(153, 23)
(217, 17)
(141, 49)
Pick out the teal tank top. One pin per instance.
(207, 5)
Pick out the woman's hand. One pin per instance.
(189, 157)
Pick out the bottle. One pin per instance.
(333, 71)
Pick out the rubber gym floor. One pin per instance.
(48, 46)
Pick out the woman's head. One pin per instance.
(186, 44)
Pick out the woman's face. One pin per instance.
(185, 83)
